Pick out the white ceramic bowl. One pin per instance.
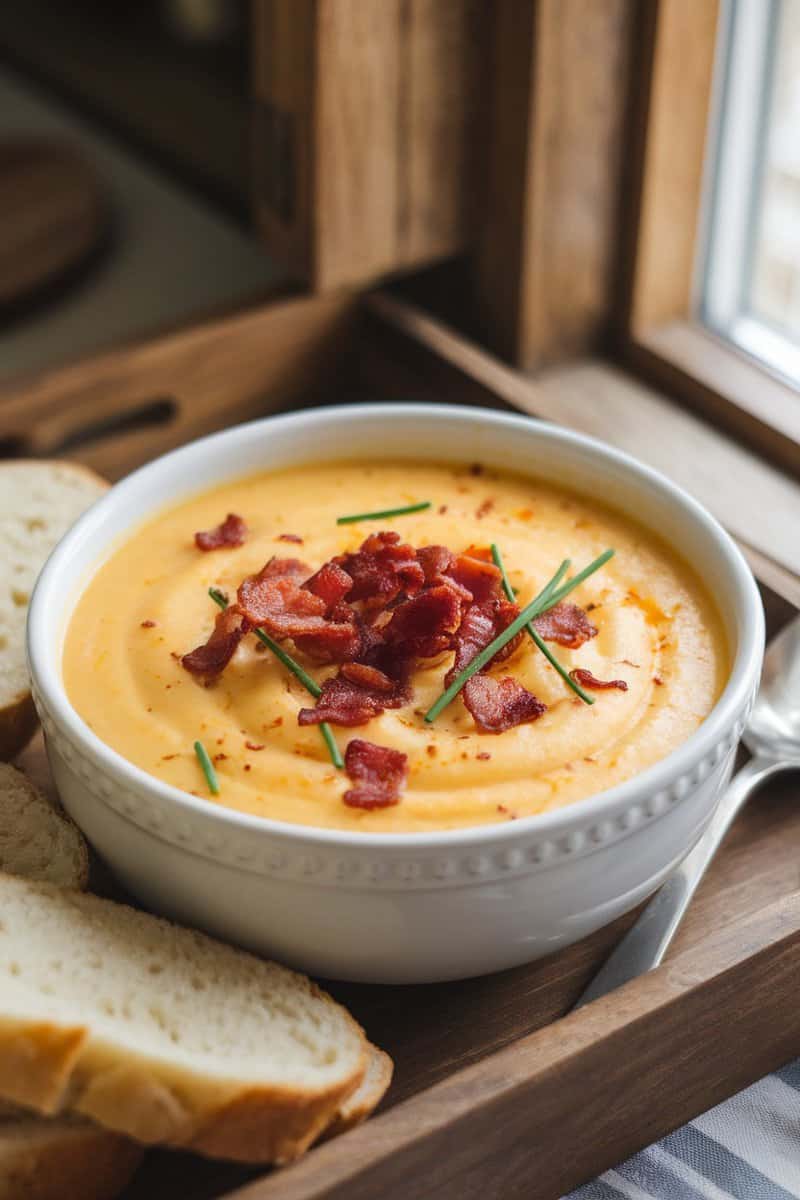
(403, 907)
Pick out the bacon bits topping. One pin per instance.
(424, 625)
(500, 704)
(284, 568)
(338, 640)
(480, 577)
(331, 583)
(290, 537)
(566, 624)
(280, 606)
(480, 626)
(232, 532)
(435, 562)
(345, 702)
(586, 679)
(378, 773)
(382, 568)
(376, 613)
(210, 659)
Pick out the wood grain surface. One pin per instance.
(601, 400)
(115, 411)
(558, 94)
(364, 153)
(494, 1091)
(677, 61)
(492, 1087)
(55, 216)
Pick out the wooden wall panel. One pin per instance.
(546, 262)
(674, 105)
(365, 132)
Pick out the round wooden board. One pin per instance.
(53, 215)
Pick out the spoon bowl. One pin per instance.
(773, 730)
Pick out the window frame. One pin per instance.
(659, 334)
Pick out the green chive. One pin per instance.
(547, 598)
(386, 512)
(208, 768)
(538, 641)
(308, 683)
(557, 596)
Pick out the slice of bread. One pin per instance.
(161, 1033)
(50, 1158)
(36, 841)
(367, 1096)
(38, 503)
(63, 1159)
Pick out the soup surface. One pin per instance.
(148, 605)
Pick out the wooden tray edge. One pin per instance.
(571, 1083)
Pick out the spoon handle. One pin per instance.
(648, 940)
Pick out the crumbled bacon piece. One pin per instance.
(339, 639)
(232, 532)
(280, 606)
(331, 582)
(500, 704)
(382, 568)
(478, 575)
(434, 560)
(586, 679)
(290, 537)
(378, 772)
(424, 626)
(481, 625)
(214, 655)
(355, 701)
(368, 677)
(566, 624)
(284, 568)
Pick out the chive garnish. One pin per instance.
(208, 768)
(308, 683)
(386, 512)
(537, 640)
(550, 595)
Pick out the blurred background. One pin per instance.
(555, 180)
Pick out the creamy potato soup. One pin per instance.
(658, 643)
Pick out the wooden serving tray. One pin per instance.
(497, 1093)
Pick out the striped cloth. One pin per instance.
(745, 1149)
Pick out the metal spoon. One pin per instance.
(773, 738)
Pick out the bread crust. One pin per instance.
(362, 1102)
(48, 1160)
(54, 1068)
(37, 1059)
(45, 1068)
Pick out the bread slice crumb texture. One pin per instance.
(36, 841)
(39, 501)
(192, 1009)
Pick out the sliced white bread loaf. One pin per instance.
(161, 1033)
(36, 841)
(51, 1158)
(63, 1159)
(38, 503)
(367, 1096)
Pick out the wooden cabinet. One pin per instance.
(366, 133)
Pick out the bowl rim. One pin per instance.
(743, 599)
